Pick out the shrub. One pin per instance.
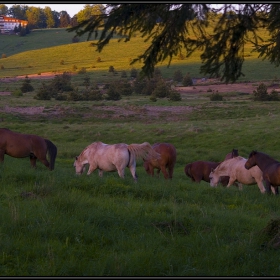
(17, 93)
(261, 94)
(26, 85)
(43, 93)
(4, 55)
(161, 90)
(216, 97)
(123, 74)
(178, 76)
(153, 98)
(274, 96)
(111, 69)
(98, 59)
(174, 95)
(2, 66)
(74, 67)
(187, 80)
(61, 62)
(83, 70)
(113, 93)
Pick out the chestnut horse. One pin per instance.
(270, 168)
(200, 170)
(167, 160)
(235, 169)
(115, 157)
(19, 145)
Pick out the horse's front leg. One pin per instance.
(267, 186)
(91, 169)
(231, 181)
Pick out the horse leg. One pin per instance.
(92, 168)
(275, 190)
(2, 153)
(163, 169)
(33, 159)
(231, 181)
(170, 171)
(261, 186)
(240, 186)
(100, 172)
(132, 169)
(267, 186)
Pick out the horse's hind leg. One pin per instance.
(132, 169)
(33, 159)
(163, 169)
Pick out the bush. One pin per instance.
(4, 55)
(83, 70)
(216, 97)
(123, 74)
(178, 76)
(113, 93)
(187, 80)
(161, 90)
(261, 94)
(17, 93)
(111, 69)
(26, 85)
(43, 93)
(274, 96)
(174, 95)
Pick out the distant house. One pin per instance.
(8, 24)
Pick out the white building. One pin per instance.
(8, 24)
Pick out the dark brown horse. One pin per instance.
(270, 168)
(200, 170)
(20, 145)
(166, 162)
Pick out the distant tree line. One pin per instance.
(46, 18)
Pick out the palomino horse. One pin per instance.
(167, 160)
(20, 145)
(116, 157)
(270, 168)
(235, 169)
(200, 170)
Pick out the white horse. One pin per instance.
(235, 169)
(116, 157)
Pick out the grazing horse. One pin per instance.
(21, 145)
(116, 157)
(235, 169)
(270, 168)
(167, 160)
(200, 170)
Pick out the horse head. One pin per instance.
(214, 177)
(79, 166)
(251, 161)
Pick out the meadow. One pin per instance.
(55, 223)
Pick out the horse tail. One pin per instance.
(52, 150)
(144, 151)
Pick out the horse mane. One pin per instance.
(143, 150)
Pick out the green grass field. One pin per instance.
(55, 223)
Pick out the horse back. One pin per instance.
(200, 170)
